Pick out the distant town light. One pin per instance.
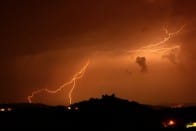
(2, 109)
(191, 125)
(9, 109)
(177, 106)
(69, 108)
(76, 108)
(169, 123)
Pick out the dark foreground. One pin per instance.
(108, 112)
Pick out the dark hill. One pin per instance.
(108, 112)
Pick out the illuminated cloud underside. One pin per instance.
(160, 49)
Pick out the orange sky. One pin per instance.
(43, 44)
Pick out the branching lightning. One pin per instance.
(77, 76)
(160, 47)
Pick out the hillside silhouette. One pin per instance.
(108, 112)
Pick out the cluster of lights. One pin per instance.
(172, 123)
(72, 108)
(191, 125)
(169, 123)
(5, 109)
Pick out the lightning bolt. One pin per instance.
(160, 47)
(76, 76)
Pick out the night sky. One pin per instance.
(43, 43)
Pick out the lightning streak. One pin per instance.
(77, 76)
(160, 47)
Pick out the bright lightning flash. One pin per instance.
(157, 48)
(77, 76)
(161, 47)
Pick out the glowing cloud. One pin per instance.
(160, 48)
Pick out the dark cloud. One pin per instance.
(141, 61)
(29, 27)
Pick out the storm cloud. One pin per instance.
(43, 43)
(141, 61)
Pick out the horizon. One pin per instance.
(169, 105)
